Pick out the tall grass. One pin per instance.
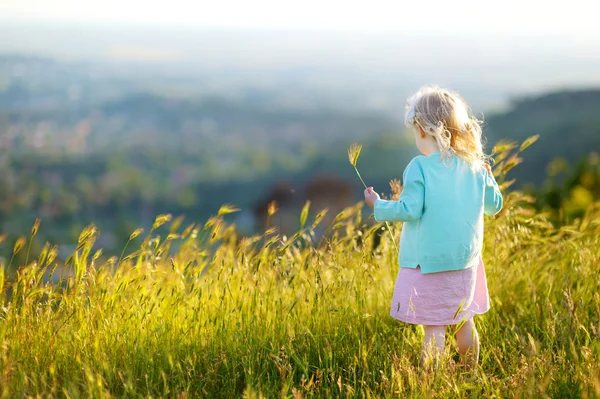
(270, 316)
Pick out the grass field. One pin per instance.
(195, 312)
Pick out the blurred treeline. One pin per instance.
(562, 169)
(119, 155)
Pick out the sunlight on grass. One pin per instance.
(197, 311)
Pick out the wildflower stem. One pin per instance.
(360, 177)
(386, 223)
(391, 235)
(123, 252)
(28, 251)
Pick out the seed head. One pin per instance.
(19, 244)
(136, 233)
(160, 220)
(35, 228)
(354, 153)
(226, 209)
(52, 254)
(396, 188)
(272, 209)
(97, 254)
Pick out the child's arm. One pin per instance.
(410, 204)
(493, 196)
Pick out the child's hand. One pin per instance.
(487, 167)
(370, 197)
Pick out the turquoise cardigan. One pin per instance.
(442, 207)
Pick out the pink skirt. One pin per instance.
(440, 299)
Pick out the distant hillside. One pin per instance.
(568, 123)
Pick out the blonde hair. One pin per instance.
(445, 117)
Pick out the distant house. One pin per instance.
(323, 191)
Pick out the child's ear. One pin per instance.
(422, 132)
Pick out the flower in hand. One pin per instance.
(370, 197)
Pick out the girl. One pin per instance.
(447, 190)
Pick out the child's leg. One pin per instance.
(467, 339)
(433, 344)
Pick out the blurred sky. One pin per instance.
(490, 50)
(573, 18)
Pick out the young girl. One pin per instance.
(447, 190)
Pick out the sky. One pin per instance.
(508, 46)
(534, 17)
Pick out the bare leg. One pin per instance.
(433, 344)
(467, 339)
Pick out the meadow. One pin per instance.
(193, 310)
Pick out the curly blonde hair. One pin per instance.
(444, 116)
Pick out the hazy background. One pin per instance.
(115, 111)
